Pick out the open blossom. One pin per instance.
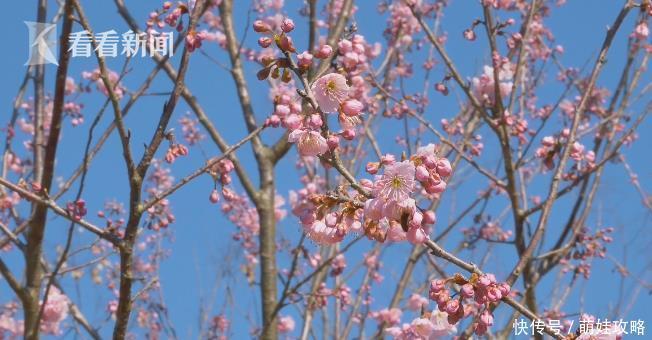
(388, 316)
(484, 86)
(441, 327)
(416, 302)
(309, 142)
(642, 31)
(397, 182)
(323, 234)
(55, 311)
(330, 91)
(285, 324)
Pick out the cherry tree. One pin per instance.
(397, 177)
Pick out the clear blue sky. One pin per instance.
(202, 236)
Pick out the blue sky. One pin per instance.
(201, 234)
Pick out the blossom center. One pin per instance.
(396, 182)
(331, 86)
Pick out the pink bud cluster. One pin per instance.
(489, 230)
(168, 15)
(221, 170)
(221, 173)
(113, 214)
(77, 210)
(194, 39)
(174, 151)
(280, 37)
(518, 126)
(586, 247)
(482, 289)
(73, 110)
(355, 54)
(160, 215)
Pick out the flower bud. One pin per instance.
(352, 107)
(261, 27)
(348, 134)
(324, 52)
(265, 42)
(467, 290)
(372, 167)
(333, 142)
(444, 167)
(214, 197)
(293, 122)
(287, 25)
(422, 174)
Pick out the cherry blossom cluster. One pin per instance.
(172, 15)
(54, 312)
(219, 327)
(10, 327)
(539, 40)
(286, 324)
(481, 290)
(517, 126)
(594, 104)
(392, 204)
(175, 149)
(244, 216)
(160, 215)
(333, 92)
(585, 247)
(113, 214)
(551, 148)
(484, 85)
(488, 230)
(191, 132)
(114, 79)
(430, 325)
(389, 213)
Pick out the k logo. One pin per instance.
(42, 43)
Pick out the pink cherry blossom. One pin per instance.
(397, 182)
(309, 142)
(285, 324)
(330, 91)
